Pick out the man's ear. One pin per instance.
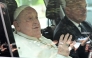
(15, 23)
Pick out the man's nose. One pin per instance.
(35, 22)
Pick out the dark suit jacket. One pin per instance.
(66, 26)
(82, 53)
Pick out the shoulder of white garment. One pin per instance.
(42, 40)
(61, 56)
(25, 45)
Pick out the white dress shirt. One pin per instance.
(32, 47)
(76, 24)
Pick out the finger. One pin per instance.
(84, 41)
(61, 39)
(74, 42)
(66, 37)
(88, 37)
(55, 41)
(3, 49)
(70, 38)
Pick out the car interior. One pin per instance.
(51, 11)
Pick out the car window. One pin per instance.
(89, 11)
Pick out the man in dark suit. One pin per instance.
(74, 22)
(68, 27)
(75, 15)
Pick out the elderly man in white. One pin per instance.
(30, 42)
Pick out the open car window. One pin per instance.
(6, 35)
(89, 11)
(7, 42)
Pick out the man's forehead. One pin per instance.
(75, 2)
(28, 9)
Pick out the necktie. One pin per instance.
(82, 29)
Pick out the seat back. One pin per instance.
(54, 14)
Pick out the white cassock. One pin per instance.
(32, 47)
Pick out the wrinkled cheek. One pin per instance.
(36, 32)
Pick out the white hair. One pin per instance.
(19, 10)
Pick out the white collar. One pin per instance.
(28, 37)
(76, 24)
(42, 39)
